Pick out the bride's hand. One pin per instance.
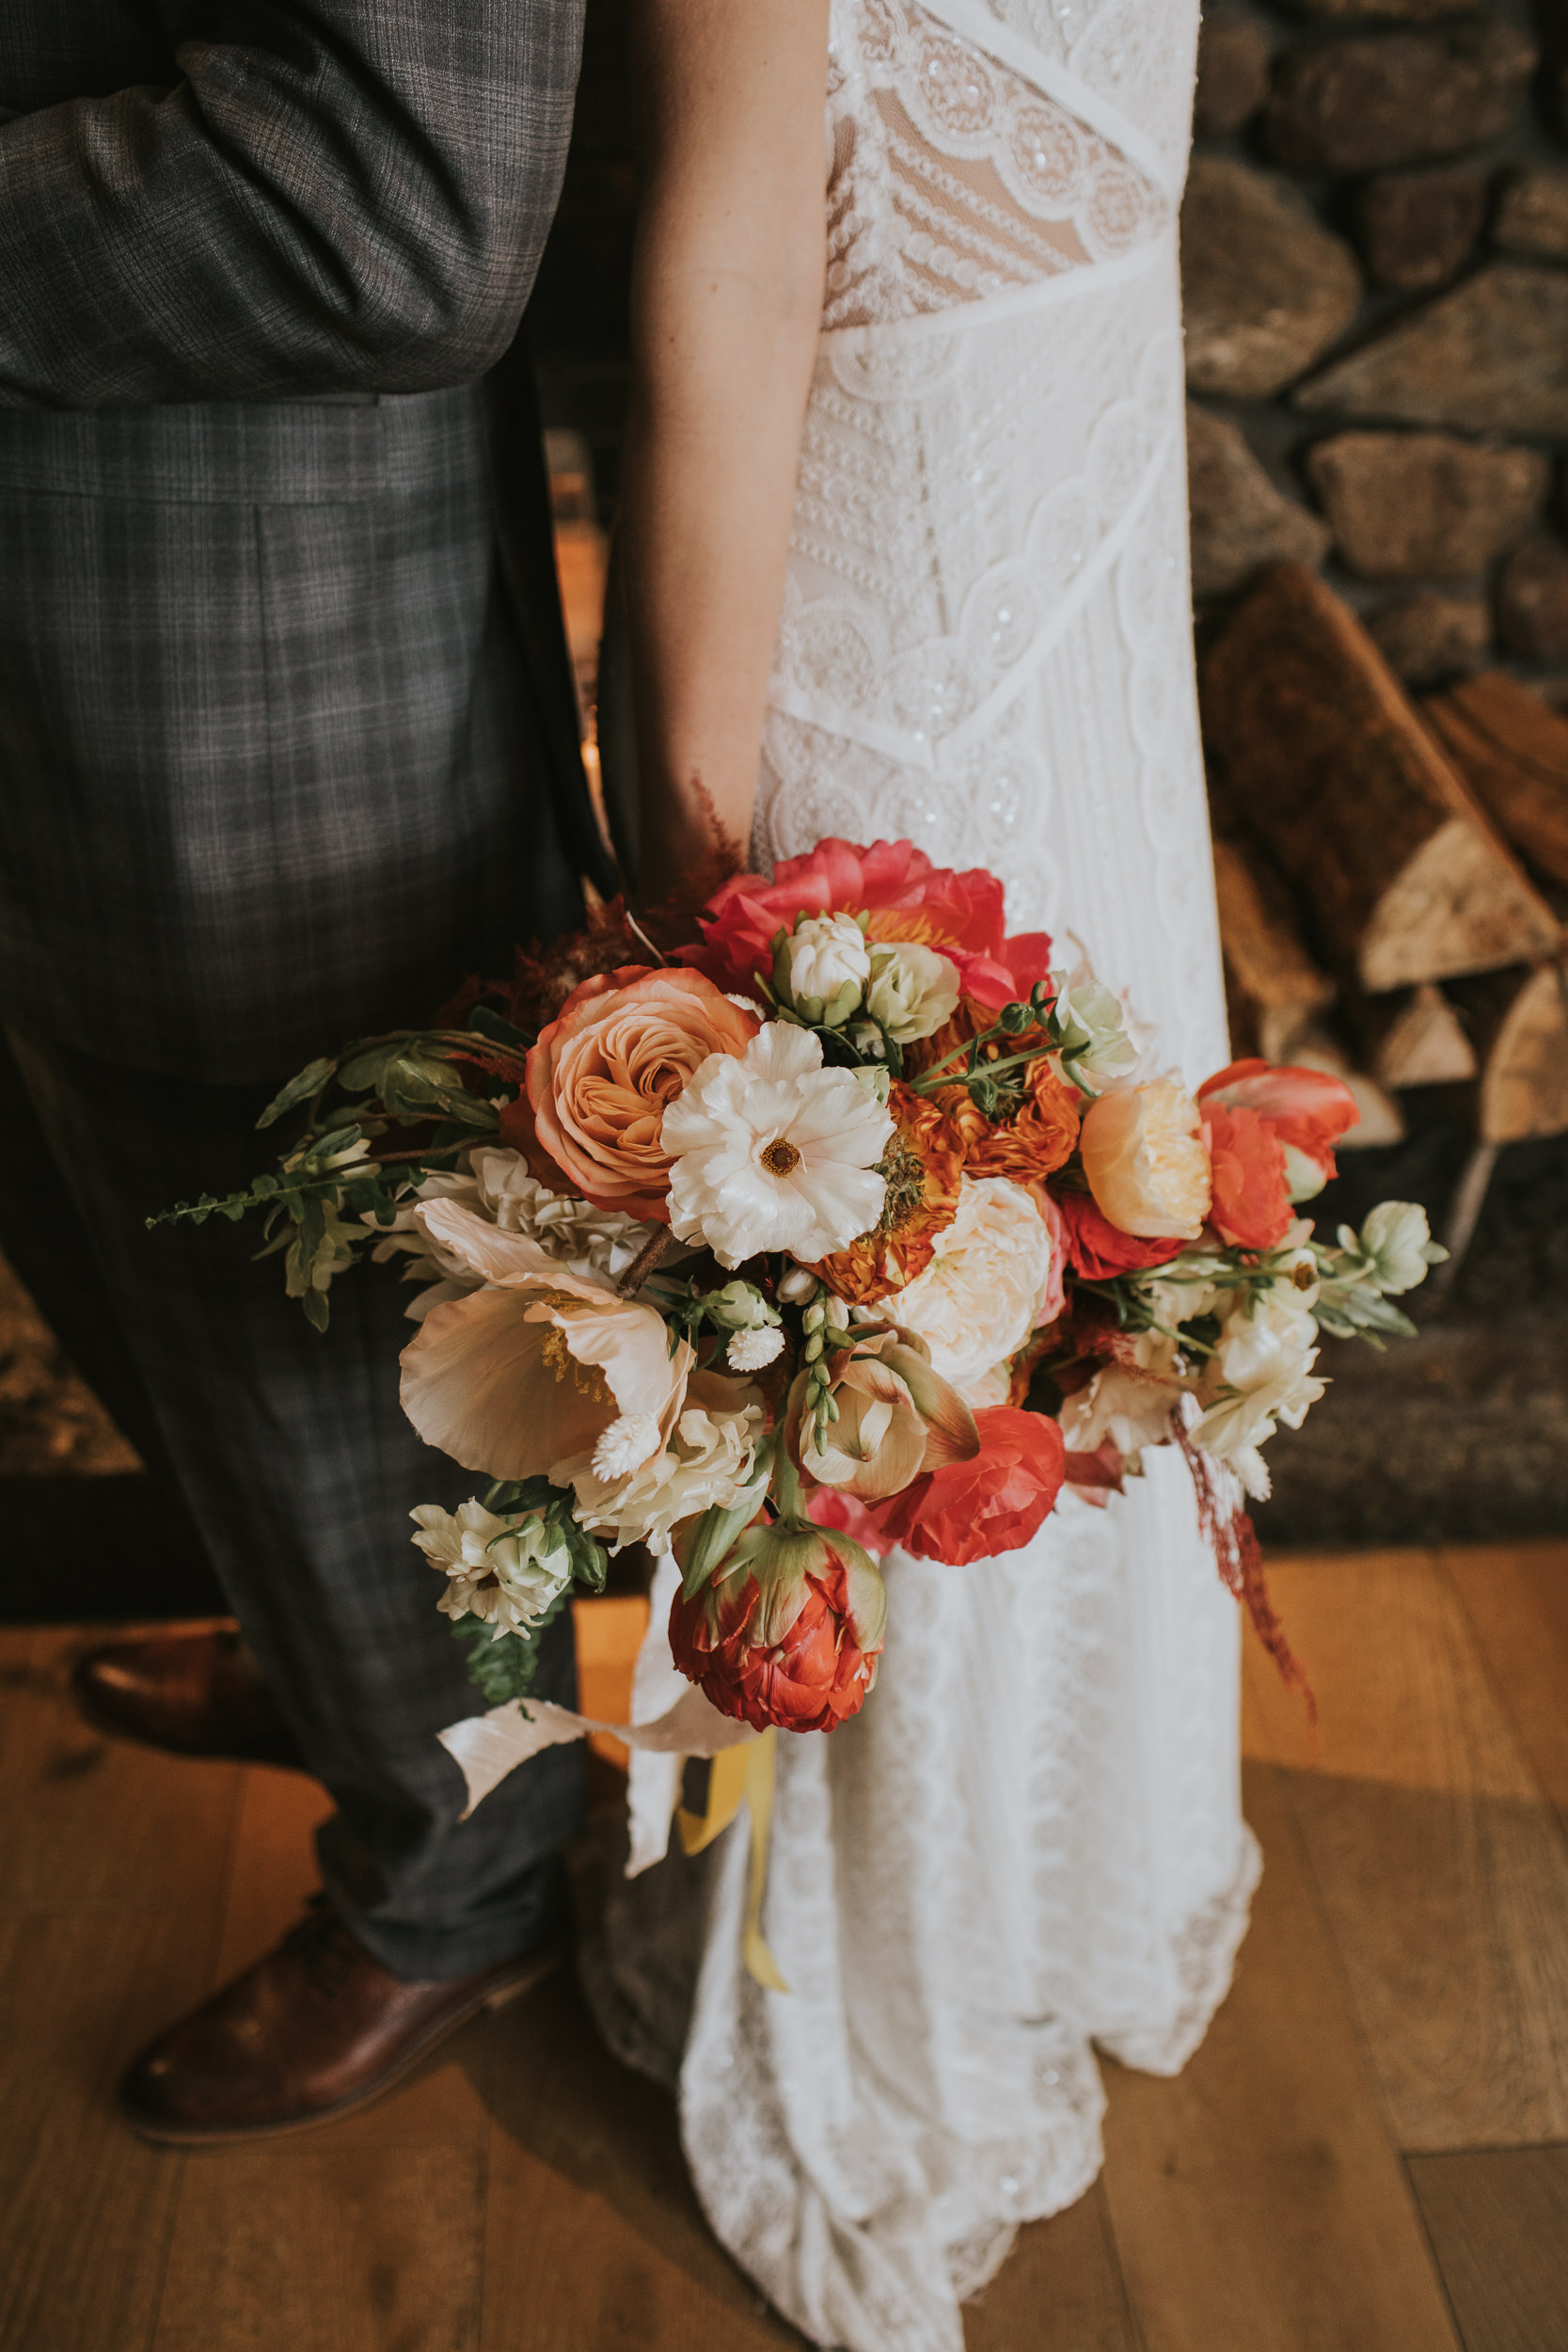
(726, 305)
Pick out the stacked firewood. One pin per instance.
(1392, 876)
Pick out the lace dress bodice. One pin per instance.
(1030, 1841)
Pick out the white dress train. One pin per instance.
(1030, 1842)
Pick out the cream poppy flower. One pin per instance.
(770, 1151)
(530, 1373)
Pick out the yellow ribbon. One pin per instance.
(741, 1775)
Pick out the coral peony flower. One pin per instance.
(1099, 1250)
(991, 1503)
(896, 1418)
(1308, 1109)
(532, 1372)
(924, 1163)
(788, 1630)
(908, 899)
(989, 1275)
(602, 1075)
(1251, 1202)
(1145, 1158)
(770, 1151)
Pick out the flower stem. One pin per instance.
(644, 1262)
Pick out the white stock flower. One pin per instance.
(749, 1351)
(1261, 1374)
(505, 1572)
(770, 1151)
(495, 1183)
(825, 953)
(1130, 1405)
(596, 1244)
(913, 990)
(978, 1299)
(708, 1461)
(1397, 1240)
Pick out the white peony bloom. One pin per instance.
(913, 990)
(1397, 1240)
(749, 1351)
(708, 1461)
(506, 1571)
(823, 954)
(978, 1299)
(770, 1151)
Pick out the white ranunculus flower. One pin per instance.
(506, 1571)
(977, 1301)
(1092, 1026)
(770, 1151)
(913, 990)
(825, 953)
(1397, 1240)
(708, 1461)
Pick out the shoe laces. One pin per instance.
(324, 1947)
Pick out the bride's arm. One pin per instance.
(726, 304)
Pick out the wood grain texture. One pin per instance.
(596, 2241)
(1442, 1870)
(85, 2210)
(1516, 1598)
(1499, 2225)
(1255, 2199)
(90, 1823)
(302, 2247)
(1060, 2289)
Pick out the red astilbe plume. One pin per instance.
(545, 974)
(1232, 1537)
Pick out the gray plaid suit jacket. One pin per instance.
(286, 736)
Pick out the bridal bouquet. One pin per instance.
(848, 1224)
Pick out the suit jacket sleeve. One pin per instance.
(336, 196)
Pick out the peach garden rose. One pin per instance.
(603, 1073)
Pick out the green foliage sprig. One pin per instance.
(339, 1188)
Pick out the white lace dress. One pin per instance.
(1030, 1843)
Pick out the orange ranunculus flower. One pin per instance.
(787, 1632)
(1038, 1141)
(924, 1163)
(1251, 1205)
(623, 1045)
(991, 1503)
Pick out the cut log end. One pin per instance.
(1457, 907)
(1524, 1088)
(1422, 1042)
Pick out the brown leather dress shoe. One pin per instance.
(196, 1693)
(311, 2032)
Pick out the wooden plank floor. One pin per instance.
(1370, 2153)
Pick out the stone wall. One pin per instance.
(1375, 269)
